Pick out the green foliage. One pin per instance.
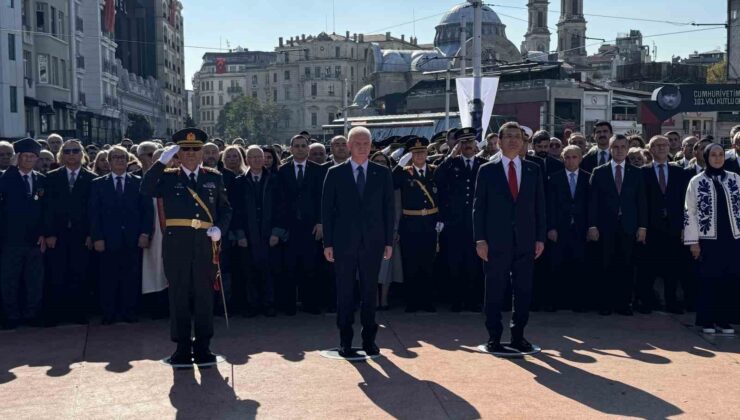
(248, 118)
(717, 73)
(139, 129)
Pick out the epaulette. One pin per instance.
(171, 170)
(211, 170)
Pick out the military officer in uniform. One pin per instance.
(419, 225)
(196, 211)
(455, 178)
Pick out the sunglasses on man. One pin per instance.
(71, 151)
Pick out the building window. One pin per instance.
(41, 9)
(254, 94)
(287, 93)
(327, 71)
(220, 85)
(331, 118)
(53, 21)
(11, 4)
(54, 71)
(540, 20)
(317, 72)
(575, 7)
(60, 24)
(314, 89)
(308, 72)
(337, 52)
(63, 70)
(274, 95)
(254, 80)
(11, 47)
(274, 78)
(13, 99)
(352, 72)
(27, 65)
(331, 90)
(338, 71)
(220, 100)
(286, 75)
(314, 119)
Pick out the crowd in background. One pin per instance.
(624, 216)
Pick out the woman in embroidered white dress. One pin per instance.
(712, 231)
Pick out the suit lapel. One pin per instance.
(498, 171)
(372, 175)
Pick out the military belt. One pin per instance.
(422, 212)
(191, 223)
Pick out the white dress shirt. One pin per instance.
(517, 166)
(356, 165)
(418, 170)
(30, 177)
(187, 172)
(115, 180)
(295, 167)
(657, 171)
(614, 169)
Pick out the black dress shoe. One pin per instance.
(204, 357)
(181, 357)
(347, 351)
(370, 349)
(521, 345)
(494, 346)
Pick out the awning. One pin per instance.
(46, 109)
(60, 104)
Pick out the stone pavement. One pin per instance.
(647, 366)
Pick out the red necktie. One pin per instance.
(618, 179)
(513, 186)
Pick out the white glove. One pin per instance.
(439, 227)
(214, 233)
(168, 154)
(397, 153)
(404, 159)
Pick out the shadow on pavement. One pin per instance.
(404, 396)
(211, 398)
(597, 392)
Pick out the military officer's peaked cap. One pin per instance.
(416, 144)
(27, 145)
(387, 141)
(190, 137)
(465, 134)
(441, 136)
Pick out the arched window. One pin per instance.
(540, 20)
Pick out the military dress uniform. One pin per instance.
(187, 250)
(417, 228)
(455, 178)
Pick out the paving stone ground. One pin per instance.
(647, 366)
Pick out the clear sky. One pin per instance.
(257, 24)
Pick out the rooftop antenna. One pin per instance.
(228, 45)
(333, 18)
(413, 19)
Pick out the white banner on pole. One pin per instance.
(488, 89)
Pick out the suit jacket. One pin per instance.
(68, 209)
(353, 223)
(605, 203)
(732, 165)
(119, 220)
(504, 223)
(22, 221)
(591, 160)
(456, 186)
(549, 165)
(252, 220)
(665, 211)
(565, 211)
(299, 204)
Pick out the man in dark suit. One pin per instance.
(665, 191)
(121, 223)
(617, 218)
(600, 154)
(697, 166)
(455, 178)
(541, 147)
(68, 235)
(300, 215)
(509, 227)
(357, 213)
(22, 205)
(732, 162)
(567, 210)
(255, 206)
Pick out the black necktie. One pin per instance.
(119, 185)
(421, 173)
(467, 163)
(360, 180)
(192, 183)
(300, 175)
(26, 181)
(602, 158)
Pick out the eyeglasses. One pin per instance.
(299, 146)
(190, 149)
(117, 157)
(71, 151)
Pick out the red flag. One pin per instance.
(173, 12)
(220, 65)
(109, 12)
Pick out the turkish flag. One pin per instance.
(109, 14)
(220, 65)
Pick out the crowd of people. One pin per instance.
(78, 237)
